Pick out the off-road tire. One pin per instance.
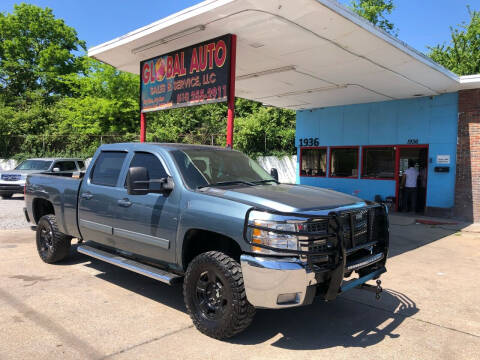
(6, 196)
(57, 247)
(238, 313)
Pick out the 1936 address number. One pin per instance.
(309, 142)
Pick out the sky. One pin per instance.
(420, 23)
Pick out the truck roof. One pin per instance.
(55, 158)
(169, 146)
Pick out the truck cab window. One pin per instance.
(107, 168)
(151, 162)
(65, 165)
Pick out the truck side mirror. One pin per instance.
(138, 181)
(56, 169)
(274, 173)
(168, 184)
(161, 186)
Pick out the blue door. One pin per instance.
(97, 204)
(147, 224)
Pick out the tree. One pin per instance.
(376, 11)
(267, 131)
(36, 50)
(462, 55)
(103, 100)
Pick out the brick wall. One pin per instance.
(467, 185)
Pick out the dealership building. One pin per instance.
(366, 103)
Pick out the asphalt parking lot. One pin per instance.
(11, 213)
(85, 309)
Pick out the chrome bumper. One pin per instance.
(276, 283)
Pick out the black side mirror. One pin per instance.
(162, 186)
(138, 181)
(274, 173)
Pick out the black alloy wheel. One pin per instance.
(46, 239)
(211, 297)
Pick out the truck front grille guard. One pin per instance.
(341, 227)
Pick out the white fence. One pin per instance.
(286, 166)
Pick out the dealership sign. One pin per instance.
(198, 74)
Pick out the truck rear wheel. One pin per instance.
(215, 295)
(52, 245)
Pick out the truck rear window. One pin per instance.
(107, 168)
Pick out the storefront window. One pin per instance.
(344, 162)
(313, 162)
(378, 162)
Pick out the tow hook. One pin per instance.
(378, 289)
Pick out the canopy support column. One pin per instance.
(143, 127)
(231, 93)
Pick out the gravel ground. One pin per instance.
(11, 213)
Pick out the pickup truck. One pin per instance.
(13, 181)
(215, 219)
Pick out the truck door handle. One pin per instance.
(86, 195)
(124, 203)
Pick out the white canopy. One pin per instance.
(296, 54)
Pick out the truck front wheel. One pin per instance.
(215, 295)
(52, 245)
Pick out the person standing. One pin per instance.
(409, 184)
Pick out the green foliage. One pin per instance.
(56, 103)
(267, 131)
(376, 12)
(103, 101)
(462, 55)
(36, 50)
(259, 130)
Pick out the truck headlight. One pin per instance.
(262, 235)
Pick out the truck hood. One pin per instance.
(21, 172)
(287, 197)
(15, 175)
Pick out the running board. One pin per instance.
(132, 265)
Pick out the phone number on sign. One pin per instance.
(212, 93)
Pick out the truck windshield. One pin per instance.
(34, 165)
(204, 167)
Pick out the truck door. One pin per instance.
(97, 203)
(147, 224)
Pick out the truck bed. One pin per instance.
(62, 192)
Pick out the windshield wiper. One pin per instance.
(226, 183)
(265, 181)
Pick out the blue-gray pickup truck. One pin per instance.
(215, 219)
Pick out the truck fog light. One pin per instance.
(292, 298)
